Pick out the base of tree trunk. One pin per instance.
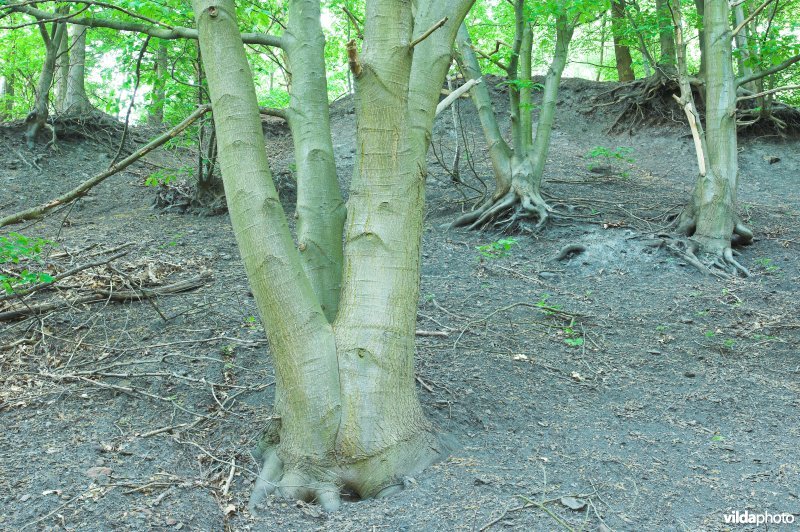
(295, 477)
(708, 254)
(509, 209)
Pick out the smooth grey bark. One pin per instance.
(622, 52)
(37, 118)
(710, 217)
(518, 169)
(346, 407)
(320, 208)
(76, 102)
(62, 72)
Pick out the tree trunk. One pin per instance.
(76, 102)
(320, 208)
(346, 407)
(701, 36)
(6, 97)
(62, 72)
(666, 36)
(744, 49)
(37, 118)
(622, 52)
(710, 217)
(155, 111)
(519, 169)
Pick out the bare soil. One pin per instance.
(620, 389)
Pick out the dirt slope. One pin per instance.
(659, 398)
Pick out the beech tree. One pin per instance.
(518, 168)
(710, 218)
(346, 410)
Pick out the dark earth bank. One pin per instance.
(620, 389)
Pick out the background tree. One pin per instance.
(518, 168)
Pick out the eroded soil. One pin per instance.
(658, 397)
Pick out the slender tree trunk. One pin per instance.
(519, 169)
(701, 35)
(622, 52)
(6, 97)
(37, 118)
(62, 72)
(666, 36)
(76, 101)
(710, 217)
(155, 115)
(743, 48)
(320, 208)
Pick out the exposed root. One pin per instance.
(293, 484)
(507, 213)
(647, 100)
(570, 250)
(718, 259)
(377, 476)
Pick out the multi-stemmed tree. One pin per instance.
(341, 334)
(518, 167)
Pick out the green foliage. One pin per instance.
(16, 249)
(768, 265)
(547, 308)
(609, 155)
(164, 177)
(497, 249)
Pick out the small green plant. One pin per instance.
(572, 337)
(767, 264)
(547, 308)
(608, 155)
(717, 437)
(162, 177)
(172, 241)
(729, 343)
(16, 248)
(497, 249)
(710, 334)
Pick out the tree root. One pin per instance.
(646, 100)
(518, 205)
(293, 484)
(569, 250)
(381, 475)
(719, 259)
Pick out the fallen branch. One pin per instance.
(444, 104)
(124, 389)
(83, 188)
(61, 276)
(108, 295)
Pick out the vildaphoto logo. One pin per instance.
(748, 518)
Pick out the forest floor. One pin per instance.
(619, 390)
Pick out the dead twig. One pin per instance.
(135, 294)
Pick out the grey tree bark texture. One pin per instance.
(710, 217)
(346, 411)
(518, 169)
(37, 118)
